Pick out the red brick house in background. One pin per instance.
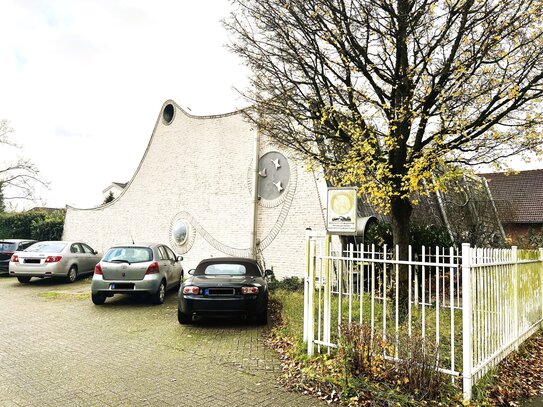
(519, 200)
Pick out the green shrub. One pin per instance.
(32, 225)
(429, 236)
(380, 233)
(49, 228)
(287, 284)
(18, 225)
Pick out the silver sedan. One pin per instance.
(53, 259)
(135, 269)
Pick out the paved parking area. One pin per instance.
(57, 349)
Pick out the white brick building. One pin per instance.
(193, 190)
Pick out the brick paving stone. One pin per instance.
(58, 350)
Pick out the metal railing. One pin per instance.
(367, 285)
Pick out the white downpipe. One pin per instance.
(254, 208)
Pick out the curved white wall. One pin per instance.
(197, 168)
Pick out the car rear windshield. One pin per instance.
(7, 246)
(48, 247)
(230, 269)
(128, 254)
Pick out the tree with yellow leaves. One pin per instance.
(382, 93)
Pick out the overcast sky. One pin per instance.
(82, 82)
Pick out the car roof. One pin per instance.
(60, 241)
(229, 260)
(17, 240)
(138, 245)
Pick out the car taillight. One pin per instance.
(249, 290)
(15, 258)
(153, 268)
(98, 269)
(53, 259)
(191, 289)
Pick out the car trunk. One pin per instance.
(32, 259)
(222, 285)
(124, 271)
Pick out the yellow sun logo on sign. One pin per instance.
(342, 203)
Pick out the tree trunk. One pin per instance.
(401, 210)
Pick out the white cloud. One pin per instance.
(83, 81)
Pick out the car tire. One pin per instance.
(98, 298)
(183, 318)
(72, 274)
(262, 318)
(24, 280)
(158, 296)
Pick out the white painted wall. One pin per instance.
(197, 168)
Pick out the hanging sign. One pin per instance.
(341, 211)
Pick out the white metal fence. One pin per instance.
(361, 284)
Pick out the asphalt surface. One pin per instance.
(58, 349)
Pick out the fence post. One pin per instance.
(309, 327)
(327, 312)
(541, 274)
(467, 328)
(306, 284)
(514, 255)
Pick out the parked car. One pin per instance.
(8, 247)
(228, 285)
(53, 259)
(135, 269)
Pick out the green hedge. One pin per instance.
(380, 233)
(32, 225)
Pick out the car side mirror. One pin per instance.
(268, 273)
(95, 252)
(179, 258)
(191, 272)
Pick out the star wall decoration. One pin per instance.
(278, 186)
(276, 163)
(262, 173)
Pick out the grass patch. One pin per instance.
(64, 296)
(331, 376)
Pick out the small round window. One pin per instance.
(168, 113)
(180, 232)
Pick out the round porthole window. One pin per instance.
(180, 232)
(168, 113)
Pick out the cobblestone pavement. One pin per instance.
(58, 349)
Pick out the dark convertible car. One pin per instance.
(228, 285)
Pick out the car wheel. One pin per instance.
(98, 298)
(183, 318)
(262, 318)
(158, 297)
(72, 274)
(24, 280)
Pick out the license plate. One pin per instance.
(112, 286)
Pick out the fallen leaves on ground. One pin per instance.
(520, 376)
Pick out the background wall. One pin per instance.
(198, 169)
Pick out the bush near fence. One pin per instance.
(380, 233)
(32, 225)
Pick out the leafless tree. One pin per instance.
(18, 176)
